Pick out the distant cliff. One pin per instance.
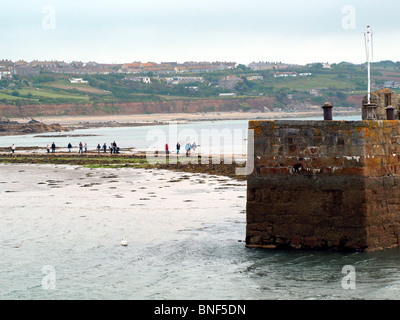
(169, 106)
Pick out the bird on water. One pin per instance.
(124, 242)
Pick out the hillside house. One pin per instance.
(258, 66)
(180, 69)
(5, 73)
(225, 65)
(229, 82)
(391, 84)
(316, 92)
(139, 79)
(47, 64)
(229, 94)
(254, 78)
(76, 64)
(183, 80)
(285, 74)
(26, 70)
(135, 67)
(20, 63)
(77, 80)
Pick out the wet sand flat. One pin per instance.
(69, 216)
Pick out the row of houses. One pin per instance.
(291, 74)
(174, 67)
(183, 80)
(25, 68)
(138, 79)
(259, 66)
(228, 82)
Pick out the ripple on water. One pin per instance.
(173, 253)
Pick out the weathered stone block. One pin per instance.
(325, 185)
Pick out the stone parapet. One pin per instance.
(324, 185)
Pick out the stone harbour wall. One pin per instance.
(324, 185)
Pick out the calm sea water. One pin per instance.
(213, 137)
(61, 228)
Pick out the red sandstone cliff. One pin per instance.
(172, 106)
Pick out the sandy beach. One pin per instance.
(156, 119)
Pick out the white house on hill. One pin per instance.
(77, 80)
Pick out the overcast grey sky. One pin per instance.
(292, 31)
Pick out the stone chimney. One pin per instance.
(327, 107)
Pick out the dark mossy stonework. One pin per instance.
(324, 185)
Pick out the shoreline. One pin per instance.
(85, 122)
(191, 164)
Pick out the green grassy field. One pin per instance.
(37, 94)
(339, 81)
(48, 93)
(321, 80)
(5, 94)
(84, 88)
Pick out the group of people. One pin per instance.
(82, 148)
(188, 147)
(53, 148)
(113, 148)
